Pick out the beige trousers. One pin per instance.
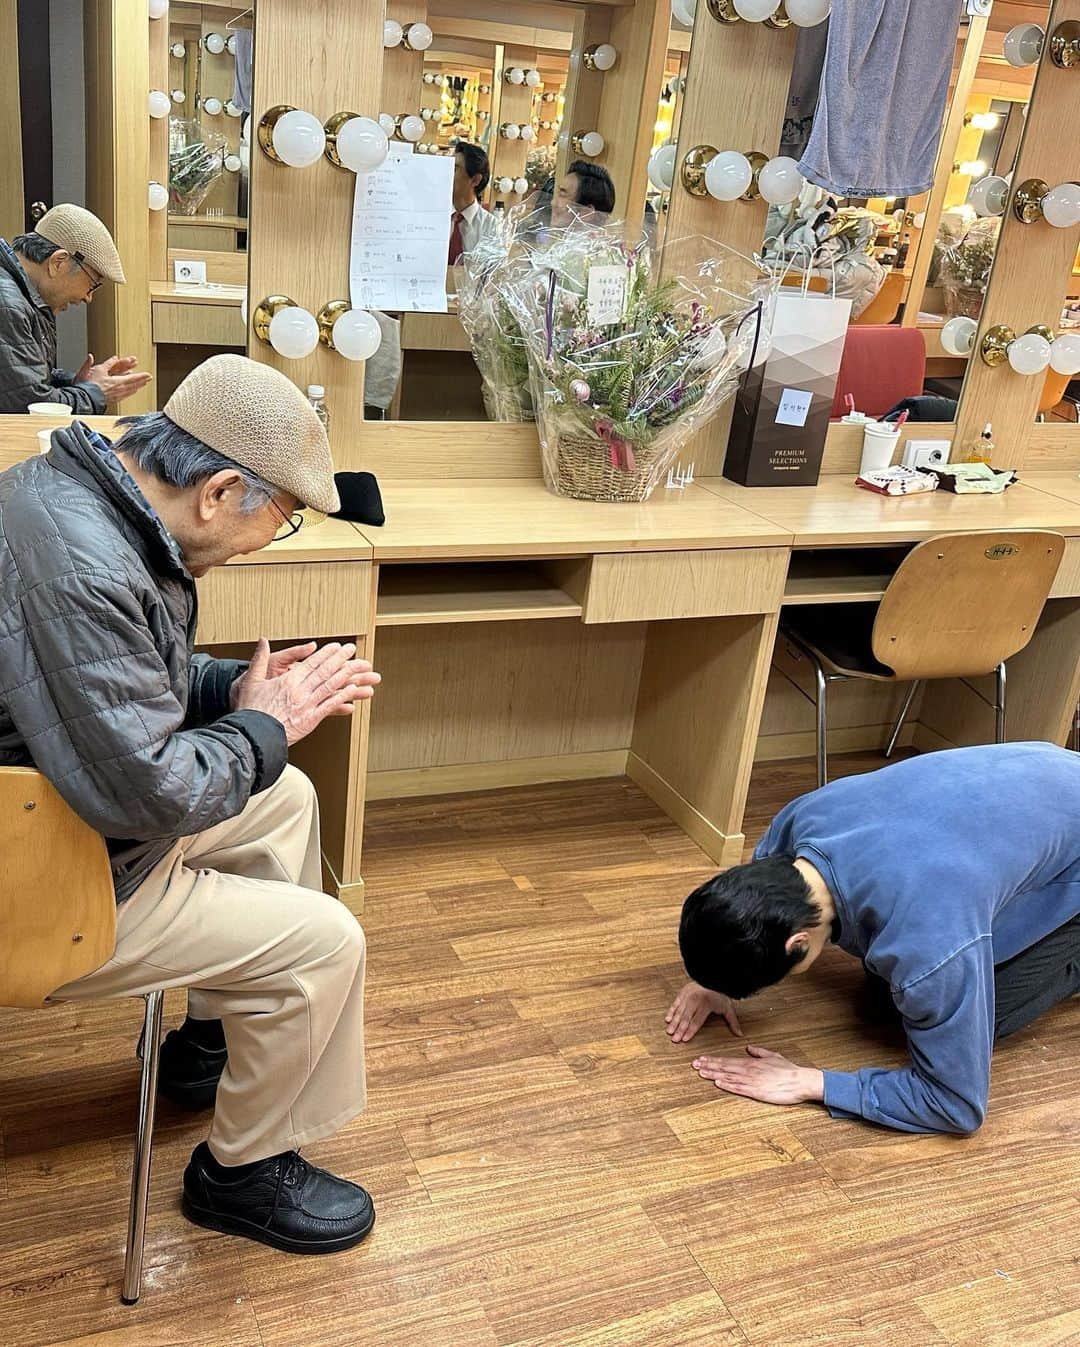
(236, 914)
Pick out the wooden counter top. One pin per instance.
(1065, 485)
(838, 513)
(165, 292)
(329, 540)
(427, 520)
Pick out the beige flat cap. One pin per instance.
(254, 415)
(77, 231)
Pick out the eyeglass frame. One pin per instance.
(79, 259)
(293, 522)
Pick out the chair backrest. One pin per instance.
(57, 903)
(885, 305)
(1053, 391)
(960, 604)
(880, 367)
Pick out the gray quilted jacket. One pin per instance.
(99, 688)
(28, 348)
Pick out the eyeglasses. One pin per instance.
(288, 525)
(78, 259)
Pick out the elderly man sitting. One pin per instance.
(180, 761)
(68, 256)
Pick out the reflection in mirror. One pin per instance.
(913, 262)
(1060, 401)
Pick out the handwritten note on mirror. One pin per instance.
(401, 235)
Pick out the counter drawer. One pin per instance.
(196, 324)
(648, 586)
(1067, 582)
(284, 601)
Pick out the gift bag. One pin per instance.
(783, 405)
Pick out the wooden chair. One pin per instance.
(958, 606)
(885, 305)
(58, 918)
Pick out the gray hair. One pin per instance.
(36, 247)
(160, 447)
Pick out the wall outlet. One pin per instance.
(189, 272)
(979, 8)
(926, 453)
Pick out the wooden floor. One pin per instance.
(548, 1171)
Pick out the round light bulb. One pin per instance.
(605, 56)
(294, 333)
(780, 181)
(244, 152)
(505, 186)
(511, 130)
(528, 132)
(357, 335)
(592, 144)
(412, 128)
(429, 77)
(158, 103)
(158, 196)
(1061, 205)
(299, 138)
(1029, 353)
(212, 106)
(807, 13)
(521, 186)
(362, 145)
(157, 9)
(1023, 44)
(990, 196)
(387, 123)
(685, 11)
(728, 175)
(958, 336)
(230, 44)
(233, 110)
(179, 96)
(422, 148)
(755, 11)
(233, 163)
(392, 33)
(418, 36)
(178, 50)
(533, 79)
(243, 309)
(215, 43)
(515, 75)
(662, 167)
(1065, 354)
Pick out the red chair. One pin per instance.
(880, 367)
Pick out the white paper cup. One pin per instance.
(879, 442)
(59, 411)
(44, 441)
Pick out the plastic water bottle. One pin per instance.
(317, 397)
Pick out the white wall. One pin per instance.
(69, 149)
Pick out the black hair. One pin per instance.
(595, 187)
(735, 926)
(35, 247)
(476, 163)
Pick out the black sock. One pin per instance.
(208, 1034)
(233, 1173)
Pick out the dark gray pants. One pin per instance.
(1025, 986)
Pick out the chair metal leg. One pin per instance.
(144, 1137)
(822, 707)
(902, 717)
(1076, 730)
(999, 706)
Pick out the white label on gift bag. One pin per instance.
(607, 295)
(794, 407)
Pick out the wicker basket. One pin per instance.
(584, 471)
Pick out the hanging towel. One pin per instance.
(802, 96)
(242, 83)
(882, 100)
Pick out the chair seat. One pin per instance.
(840, 635)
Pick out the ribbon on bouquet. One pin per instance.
(620, 451)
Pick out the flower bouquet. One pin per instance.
(196, 161)
(624, 368)
(497, 344)
(965, 268)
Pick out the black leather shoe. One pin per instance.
(285, 1203)
(189, 1073)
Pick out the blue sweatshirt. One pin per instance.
(940, 867)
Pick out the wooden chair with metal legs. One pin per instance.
(58, 918)
(958, 606)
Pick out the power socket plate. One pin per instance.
(926, 453)
(187, 271)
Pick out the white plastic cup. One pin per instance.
(44, 441)
(879, 441)
(59, 411)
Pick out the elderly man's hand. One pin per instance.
(302, 686)
(117, 377)
(763, 1075)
